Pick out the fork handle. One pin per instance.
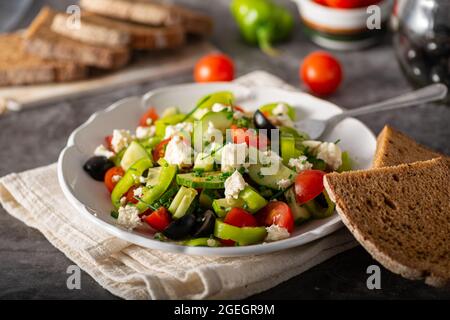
(427, 94)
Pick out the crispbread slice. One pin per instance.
(400, 215)
(106, 31)
(42, 41)
(151, 12)
(394, 148)
(20, 68)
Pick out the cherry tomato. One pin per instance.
(322, 2)
(160, 149)
(349, 4)
(109, 181)
(158, 219)
(278, 213)
(108, 140)
(214, 67)
(321, 72)
(308, 185)
(150, 114)
(130, 195)
(239, 218)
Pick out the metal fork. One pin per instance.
(316, 128)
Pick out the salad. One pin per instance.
(218, 175)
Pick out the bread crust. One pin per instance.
(413, 270)
(42, 41)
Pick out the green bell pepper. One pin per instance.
(129, 179)
(243, 236)
(151, 194)
(262, 22)
(201, 242)
(205, 104)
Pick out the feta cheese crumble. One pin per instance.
(275, 233)
(145, 132)
(101, 151)
(129, 217)
(123, 201)
(121, 139)
(284, 184)
(280, 109)
(326, 151)
(178, 152)
(234, 185)
(183, 128)
(234, 156)
(138, 192)
(116, 178)
(142, 179)
(300, 164)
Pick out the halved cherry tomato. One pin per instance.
(150, 114)
(249, 136)
(130, 195)
(214, 67)
(108, 140)
(109, 182)
(308, 185)
(278, 213)
(158, 219)
(322, 2)
(321, 72)
(239, 218)
(160, 149)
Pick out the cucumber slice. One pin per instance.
(153, 176)
(133, 153)
(204, 162)
(300, 213)
(253, 200)
(269, 108)
(161, 124)
(270, 181)
(206, 102)
(182, 201)
(222, 206)
(221, 121)
(210, 180)
(170, 112)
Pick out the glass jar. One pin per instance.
(422, 40)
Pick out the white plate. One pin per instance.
(93, 201)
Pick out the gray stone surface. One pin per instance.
(31, 268)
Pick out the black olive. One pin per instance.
(96, 167)
(261, 122)
(205, 225)
(180, 228)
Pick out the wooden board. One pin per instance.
(147, 67)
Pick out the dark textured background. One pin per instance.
(31, 268)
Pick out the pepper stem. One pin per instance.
(263, 35)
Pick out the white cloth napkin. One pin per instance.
(133, 272)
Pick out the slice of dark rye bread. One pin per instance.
(100, 30)
(20, 68)
(151, 12)
(40, 40)
(394, 148)
(400, 215)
